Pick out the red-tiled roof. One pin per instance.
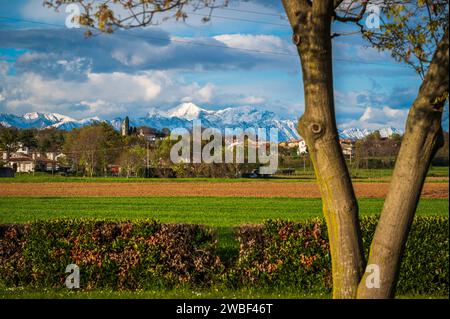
(20, 159)
(29, 159)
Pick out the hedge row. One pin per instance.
(122, 255)
(284, 254)
(146, 254)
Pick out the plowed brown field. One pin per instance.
(235, 189)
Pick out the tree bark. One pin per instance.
(311, 22)
(423, 137)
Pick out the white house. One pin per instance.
(302, 148)
(23, 150)
(147, 134)
(23, 164)
(348, 147)
(348, 150)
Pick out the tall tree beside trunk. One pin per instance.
(311, 22)
(423, 137)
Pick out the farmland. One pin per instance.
(200, 189)
(219, 203)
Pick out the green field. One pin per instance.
(299, 176)
(222, 213)
(179, 293)
(20, 293)
(362, 174)
(212, 211)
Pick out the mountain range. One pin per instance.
(182, 116)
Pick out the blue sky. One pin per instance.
(244, 56)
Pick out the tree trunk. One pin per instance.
(423, 137)
(311, 22)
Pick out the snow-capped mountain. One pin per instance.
(357, 133)
(239, 117)
(44, 120)
(182, 116)
(68, 125)
(32, 120)
(188, 111)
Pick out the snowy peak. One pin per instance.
(389, 131)
(44, 120)
(31, 116)
(188, 111)
(52, 117)
(154, 112)
(358, 133)
(245, 114)
(71, 123)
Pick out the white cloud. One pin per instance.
(123, 87)
(118, 87)
(375, 118)
(267, 43)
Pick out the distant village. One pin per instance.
(23, 154)
(99, 150)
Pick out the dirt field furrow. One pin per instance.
(173, 189)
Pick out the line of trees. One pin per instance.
(376, 152)
(49, 140)
(100, 150)
(371, 152)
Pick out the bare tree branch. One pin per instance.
(106, 15)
